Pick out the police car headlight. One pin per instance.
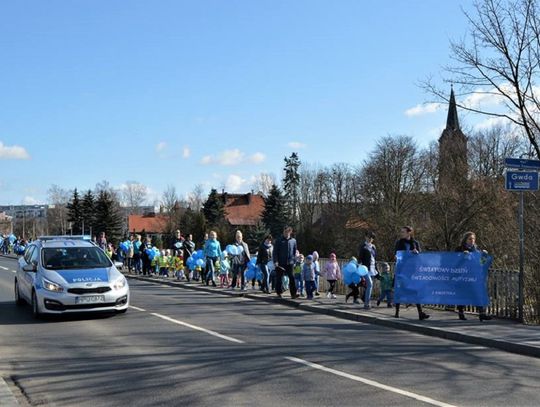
(50, 286)
(120, 283)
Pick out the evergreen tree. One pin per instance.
(291, 187)
(108, 218)
(88, 208)
(213, 209)
(74, 208)
(274, 215)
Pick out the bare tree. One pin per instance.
(500, 59)
(196, 198)
(264, 183)
(134, 195)
(57, 213)
(169, 199)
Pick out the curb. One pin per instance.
(517, 348)
(7, 399)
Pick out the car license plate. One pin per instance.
(90, 299)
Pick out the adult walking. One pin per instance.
(264, 255)
(468, 245)
(212, 252)
(367, 255)
(146, 262)
(284, 258)
(137, 260)
(239, 261)
(102, 241)
(408, 243)
(177, 243)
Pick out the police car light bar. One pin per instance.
(68, 237)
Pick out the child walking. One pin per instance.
(308, 275)
(297, 272)
(386, 285)
(317, 268)
(355, 288)
(332, 273)
(223, 273)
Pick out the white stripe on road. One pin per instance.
(370, 382)
(4, 268)
(198, 328)
(137, 308)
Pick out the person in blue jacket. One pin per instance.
(212, 252)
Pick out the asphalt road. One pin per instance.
(184, 347)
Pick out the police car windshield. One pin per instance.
(61, 258)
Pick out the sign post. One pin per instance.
(518, 179)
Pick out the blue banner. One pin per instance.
(445, 278)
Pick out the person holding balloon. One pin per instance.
(239, 251)
(264, 255)
(407, 242)
(146, 249)
(352, 276)
(212, 252)
(284, 256)
(178, 242)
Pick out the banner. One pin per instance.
(445, 278)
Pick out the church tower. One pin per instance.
(453, 165)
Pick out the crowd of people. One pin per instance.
(275, 266)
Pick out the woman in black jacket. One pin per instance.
(408, 243)
(264, 255)
(468, 245)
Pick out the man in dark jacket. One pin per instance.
(284, 257)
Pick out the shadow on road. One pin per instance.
(11, 314)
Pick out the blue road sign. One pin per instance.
(522, 180)
(522, 163)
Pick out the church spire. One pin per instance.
(452, 122)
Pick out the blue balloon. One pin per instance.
(190, 261)
(362, 270)
(250, 273)
(199, 262)
(232, 250)
(199, 254)
(351, 274)
(253, 261)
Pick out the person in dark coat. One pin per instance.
(408, 243)
(177, 243)
(367, 254)
(264, 255)
(468, 245)
(284, 258)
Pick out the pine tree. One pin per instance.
(274, 215)
(291, 186)
(213, 209)
(108, 218)
(88, 208)
(75, 213)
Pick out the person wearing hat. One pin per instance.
(308, 275)
(332, 273)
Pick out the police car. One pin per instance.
(66, 274)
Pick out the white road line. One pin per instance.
(370, 382)
(198, 328)
(137, 308)
(4, 268)
(13, 271)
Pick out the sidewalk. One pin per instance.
(509, 336)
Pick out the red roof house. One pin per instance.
(243, 209)
(152, 224)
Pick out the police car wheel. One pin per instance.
(35, 309)
(18, 299)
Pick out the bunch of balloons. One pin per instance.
(234, 250)
(12, 238)
(253, 270)
(125, 246)
(152, 253)
(353, 273)
(19, 249)
(197, 259)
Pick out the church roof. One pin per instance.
(452, 122)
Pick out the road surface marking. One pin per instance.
(137, 308)
(198, 328)
(370, 382)
(4, 268)
(13, 271)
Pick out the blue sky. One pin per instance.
(208, 92)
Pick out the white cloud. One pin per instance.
(161, 146)
(232, 157)
(257, 158)
(30, 200)
(13, 152)
(422, 109)
(491, 122)
(234, 183)
(296, 144)
(186, 152)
